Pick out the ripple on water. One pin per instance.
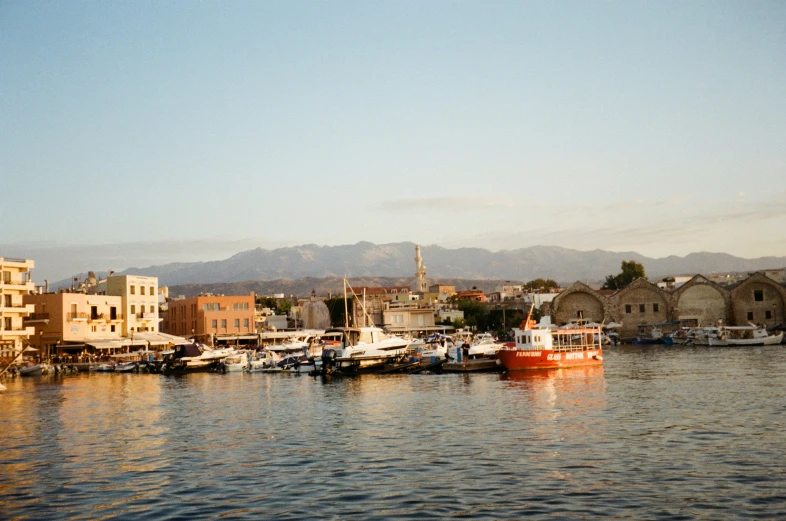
(655, 433)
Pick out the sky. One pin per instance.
(174, 131)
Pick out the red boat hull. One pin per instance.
(518, 359)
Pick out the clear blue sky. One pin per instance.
(658, 127)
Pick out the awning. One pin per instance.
(237, 337)
(155, 339)
(105, 344)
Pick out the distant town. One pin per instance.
(124, 313)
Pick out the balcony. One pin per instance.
(21, 285)
(77, 317)
(25, 331)
(145, 316)
(117, 318)
(36, 318)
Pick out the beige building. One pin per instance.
(65, 323)
(401, 317)
(16, 282)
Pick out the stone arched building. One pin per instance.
(758, 299)
(698, 302)
(578, 301)
(701, 302)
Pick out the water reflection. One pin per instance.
(690, 433)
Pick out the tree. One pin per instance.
(542, 284)
(335, 306)
(631, 270)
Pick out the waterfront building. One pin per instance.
(15, 283)
(403, 317)
(213, 319)
(139, 296)
(698, 302)
(70, 323)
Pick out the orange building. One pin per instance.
(210, 317)
(473, 295)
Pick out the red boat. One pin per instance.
(545, 347)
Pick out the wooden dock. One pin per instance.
(474, 365)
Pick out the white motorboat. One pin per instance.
(435, 346)
(750, 335)
(365, 346)
(485, 346)
(236, 363)
(191, 358)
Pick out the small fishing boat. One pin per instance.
(750, 335)
(126, 367)
(32, 369)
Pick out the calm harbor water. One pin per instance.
(657, 433)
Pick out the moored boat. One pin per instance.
(545, 347)
(751, 335)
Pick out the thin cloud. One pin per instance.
(444, 203)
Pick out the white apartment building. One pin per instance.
(139, 300)
(15, 283)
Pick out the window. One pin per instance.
(237, 323)
(245, 323)
(641, 308)
(133, 289)
(240, 306)
(768, 314)
(655, 307)
(133, 309)
(8, 302)
(93, 329)
(152, 309)
(224, 323)
(112, 328)
(7, 323)
(113, 314)
(627, 308)
(141, 290)
(152, 290)
(93, 312)
(7, 277)
(214, 323)
(750, 315)
(758, 295)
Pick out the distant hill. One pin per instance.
(396, 260)
(321, 286)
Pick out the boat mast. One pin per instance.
(346, 309)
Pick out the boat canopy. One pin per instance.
(187, 350)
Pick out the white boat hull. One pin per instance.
(732, 342)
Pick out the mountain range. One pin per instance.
(396, 260)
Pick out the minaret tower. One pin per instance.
(420, 271)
